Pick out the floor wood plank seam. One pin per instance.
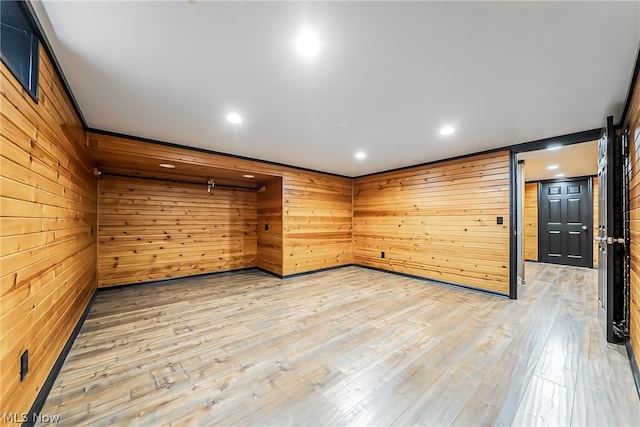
(345, 347)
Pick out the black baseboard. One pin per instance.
(382, 270)
(173, 279)
(38, 404)
(634, 365)
(304, 273)
(216, 273)
(320, 270)
(270, 273)
(437, 282)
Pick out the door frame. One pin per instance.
(520, 222)
(615, 327)
(573, 138)
(589, 179)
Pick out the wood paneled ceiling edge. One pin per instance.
(140, 157)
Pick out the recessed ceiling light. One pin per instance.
(248, 176)
(559, 175)
(554, 147)
(167, 165)
(360, 155)
(552, 167)
(447, 130)
(308, 44)
(234, 118)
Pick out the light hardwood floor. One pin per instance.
(345, 347)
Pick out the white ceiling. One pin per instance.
(571, 160)
(388, 75)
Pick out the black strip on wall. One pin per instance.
(38, 404)
(513, 238)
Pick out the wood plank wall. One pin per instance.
(48, 228)
(317, 208)
(633, 124)
(270, 215)
(531, 220)
(530, 229)
(151, 229)
(438, 221)
(317, 221)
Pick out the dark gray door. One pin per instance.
(566, 222)
(613, 196)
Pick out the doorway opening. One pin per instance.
(557, 206)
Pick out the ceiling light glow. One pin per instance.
(447, 130)
(248, 176)
(552, 167)
(554, 147)
(308, 44)
(167, 165)
(360, 155)
(234, 118)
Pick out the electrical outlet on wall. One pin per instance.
(382, 254)
(24, 364)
